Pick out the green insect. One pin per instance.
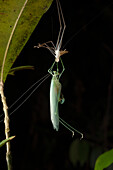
(56, 97)
(55, 87)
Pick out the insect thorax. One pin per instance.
(56, 75)
(57, 55)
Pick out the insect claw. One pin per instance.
(73, 134)
(35, 47)
(38, 46)
(81, 137)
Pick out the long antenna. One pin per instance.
(42, 80)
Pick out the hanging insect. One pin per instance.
(55, 98)
(55, 95)
(55, 87)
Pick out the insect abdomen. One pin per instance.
(55, 90)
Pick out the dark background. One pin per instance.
(86, 86)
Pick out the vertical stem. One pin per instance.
(3, 99)
(7, 129)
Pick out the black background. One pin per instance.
(86, 86)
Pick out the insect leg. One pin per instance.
(66, 125)
(62, 67)
(61, 17)
(50, 70)
(45, 45)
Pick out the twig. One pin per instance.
(7, 129)
(3, 99)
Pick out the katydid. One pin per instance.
(55, 92)
(55, 87)
(55, 98)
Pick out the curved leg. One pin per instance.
(45, 45)
(62, 67)
(51, 69)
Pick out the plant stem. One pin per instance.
(3, 98)
(7, 129)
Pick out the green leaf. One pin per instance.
(84, 149)
(6, 140)
(104, 160)
(79, 152)
(9, 11)
(12, 71)
(73, 152)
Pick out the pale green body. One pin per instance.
(55, 91)
(55, 98)
(55, 95)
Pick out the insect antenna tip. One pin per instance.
(81, 136)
